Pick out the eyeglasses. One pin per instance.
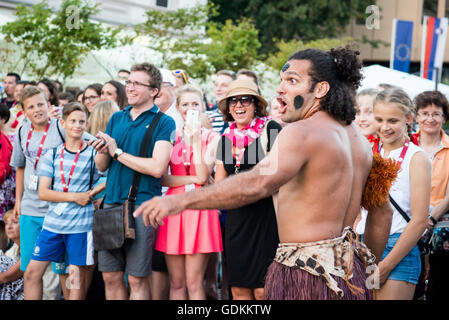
(166, 85)
(245, 101)
(90, 98)
(137, 84)
(181, 73)
(435, 115)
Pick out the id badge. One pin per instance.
(32, 183)
(59, 209)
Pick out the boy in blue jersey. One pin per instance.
(67, 174)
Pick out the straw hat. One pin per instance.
(241, 88)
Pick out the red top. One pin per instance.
(5, 157)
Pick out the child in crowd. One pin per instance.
(189, 238)
(400, 264)
(98, 120)
(67, 174)
(364, 117)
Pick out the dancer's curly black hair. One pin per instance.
(340, 67)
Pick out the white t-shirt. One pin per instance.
(13, 252)
(174, 113)
(400, 191)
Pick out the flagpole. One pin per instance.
(423, 46)
(393, 43)
(437, 75)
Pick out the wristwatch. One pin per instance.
(117, 153)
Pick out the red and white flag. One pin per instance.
(433, 46)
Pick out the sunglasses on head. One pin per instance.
(181, 73)
(245, 101)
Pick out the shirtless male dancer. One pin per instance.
(322, 164)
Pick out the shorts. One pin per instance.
(159, 264)
(409, 268)
(52, 246)
(134, 257)
(30, 228)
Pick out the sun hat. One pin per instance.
(241, 88)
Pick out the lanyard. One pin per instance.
(41, 146)
(403, 152)
(238, 160)
(65, 186)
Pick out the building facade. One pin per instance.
(411, 10)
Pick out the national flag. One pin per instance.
(433, 46)
(401, 45)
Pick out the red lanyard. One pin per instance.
(403, 152)
(238, 160)
(65, 186)
(41, 146)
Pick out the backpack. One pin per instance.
(57, 127)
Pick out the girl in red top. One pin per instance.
(189, 237)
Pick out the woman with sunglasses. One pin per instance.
(432, 111)
(251, 235)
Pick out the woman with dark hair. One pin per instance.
(92, 95)
(432, 111)
(50, 91)
(114, 91)
(251, 235)
(79, 96)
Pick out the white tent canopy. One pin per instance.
(413, 85)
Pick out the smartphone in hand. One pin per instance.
(192, 117)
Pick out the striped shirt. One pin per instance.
(216, 119)
(73, 218)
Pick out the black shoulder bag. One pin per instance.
(112, 226)
(424, 246)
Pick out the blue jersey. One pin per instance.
(70, 217)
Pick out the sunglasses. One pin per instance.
(245, 101)
(181, 73)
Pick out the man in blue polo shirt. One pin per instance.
(118, 150)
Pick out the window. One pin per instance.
(162, 3)
(430, 8)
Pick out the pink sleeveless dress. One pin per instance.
(191, 231)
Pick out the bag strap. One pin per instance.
(403, 214)
(143, 151)
(54, 157)
(92, 167)
(20, 136)
(59, 131)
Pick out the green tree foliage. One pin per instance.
(286, 49)
(55, 43)
(188, 40)
(304, 20)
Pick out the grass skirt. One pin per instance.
(286, 283)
